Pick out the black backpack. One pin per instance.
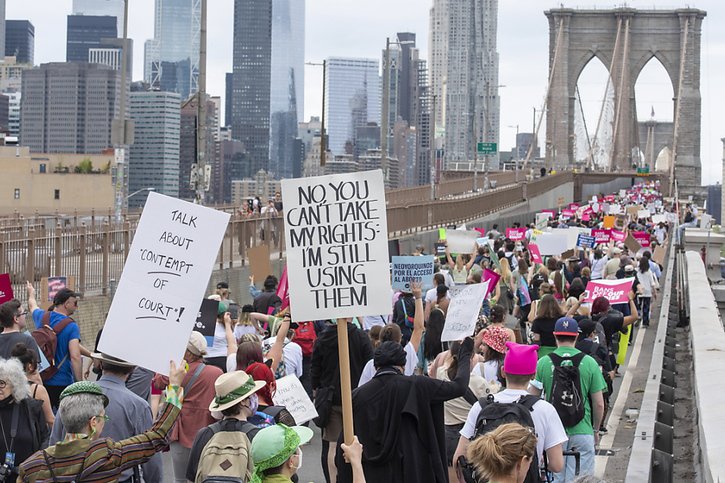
(566, 389)
(494, 414)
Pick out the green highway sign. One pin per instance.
(487, 148)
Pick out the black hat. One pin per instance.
(247, 308)
(63, 295)
(222, 285)
(587, 326)
(388, 354)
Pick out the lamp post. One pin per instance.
(121, 129)
(139, 191)
(516, 158)
(323, 149)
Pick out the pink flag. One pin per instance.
(6, 288)
(616, 291)
(482, 231)
(618, 236)
(515, 234)
(283, 290)
(535, 253)
(602, 236)
(492, 278)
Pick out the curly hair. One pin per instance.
(11, 371)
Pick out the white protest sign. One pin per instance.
(572, 235)
(643, 214)
(336, 235)
(461, 241)
(412, 269)
(552, 243)
(657, 219)
(163, 282)
(542, 220)
(615, 209)
(294, 398)
(463, 312)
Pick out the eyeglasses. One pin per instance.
(20, 314)
(3, 384)
(105, 417)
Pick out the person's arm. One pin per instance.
(461, 449)
(32, 302)
(418, 322)
(473, 256)
(451, 263)
(555, 458)
(427, 311)
(445, 391)
(533, 311)
(633, 314)
(229, 334)
(41, 394)
(597, 400)
(353, 456)
(74, 352)
(275, 353)
(253, 291)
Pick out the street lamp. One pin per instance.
(139, 191)
(516, 158)
(322, 64)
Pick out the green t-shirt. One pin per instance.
(592, 382)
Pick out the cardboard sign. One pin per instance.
(292, 395)
(568, 254)
(463, 312)
(602, 236)
(49, 286)
(206, 320)
(618, 236)
(633, 211)
(632, 244)
(412, 269)
(659, 255)
(6, 288)
(336, 235)
(616, 291)
(515, 234)
(461, 241)
(259, 264)
(165, 276)
(642, 238)
(535, 254)
(552, 243)
(492, 279)
(585, 241)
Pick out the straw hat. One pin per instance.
(232, 387)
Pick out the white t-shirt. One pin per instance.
(219, 348)
(432, 295)
(490, 371)
(549, 430)
(411, 360)
(370, 321)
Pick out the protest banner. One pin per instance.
(259, 265)
(643, 214)
(585, 241)
(642, 238)
(515, 234)
(632, 244)
(657, 219)
(49, 286)
(615, 209)
(542, 220)
(602, 236)
(659, 255)
(566, 214)
(482, 242)
(167, 269)
(206, 320)
(535, 253)
(616, 291)
(461, 241)
(292, 395)
(492, 279)
(6, 288)
(552, 243)
(618, 236)
(337, 245)
(463, 311)
(412, 269)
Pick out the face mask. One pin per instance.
(253, 403)
(299, 459)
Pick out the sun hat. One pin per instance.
(495, 338)
(566, 326)
(274, 445)
(520, 359)
(84, 387)
(197, 344)
(100, 356)
(232, 387)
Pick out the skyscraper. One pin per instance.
(287, 83)
(20, 41)
(86, 32)
(438, 57)
(352, 99)
(471, 89)
(172, 56)
(68, 107)
(2, 25)
(154, 155)
(252, 57)
(113, 8)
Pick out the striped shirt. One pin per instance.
(101, 460)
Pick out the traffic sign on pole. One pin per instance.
(487, 148)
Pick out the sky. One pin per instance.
(358, 28)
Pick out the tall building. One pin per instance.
(423, 124)
(172, 56)
(2, 26)
(11, 74)
(438, 58)
(287, 83)
(353, 98)
(86, 32)
(13, 112)
(472, 101)
(228, 86)
(154, 155)
(68, 107)
(251, 83)
(20, 41)
(187, 143)
(113, 8)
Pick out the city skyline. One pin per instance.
(340, 29)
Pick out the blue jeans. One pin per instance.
(584, 444)
(645, 303)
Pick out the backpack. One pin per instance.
(566, 389)
(226, 458)
(494, 414)
(47, 339)
(261, 420)
(536, 282)
(305, 336)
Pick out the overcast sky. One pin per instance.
(358, 28)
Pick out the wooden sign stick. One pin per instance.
(343, 351)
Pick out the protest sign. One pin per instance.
(609, 221)
(618, 236)
(622, 193)
(633, 211)
(206, 320)
(259, 264)
(620, 223)
(659, 255)
(552, 213)
(616, 291)
(49, 286)
(572, 234)
(705, 221)
(596, 207)
(585, 241)
(412, 269)
(568, 254)
(615, 209)
(165, 276)
(494, 258)
(440, 249)
(566, 214)
(574, 206)
(552, 243)
(481, 231)
(535, 253)
(463, 311)
(657, 219)
(336, 235)
(542, 220)
(6, 288)
(441, 233)
(482, 242)
(461, 241)
(515, 234)
(292, 395)
(491, 278)
(643, 214)
(642, 238)
(602, 236)
(632, 244)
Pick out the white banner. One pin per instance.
(461, 241)
(463, 312)
(336, 235)
(163, 282)
(552, 243)
(293, 396)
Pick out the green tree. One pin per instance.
(85, 166)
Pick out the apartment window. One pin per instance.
(17, 194)
(42, 168)
(56, 194)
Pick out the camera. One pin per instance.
(5, 471)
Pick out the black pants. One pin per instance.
(220, 362)
(54, 395)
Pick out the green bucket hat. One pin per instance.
(274, 445)
(223, 307)
(84, 387)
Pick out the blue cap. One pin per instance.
(566, 326)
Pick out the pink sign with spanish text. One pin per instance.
(602, 236)
(618, 236)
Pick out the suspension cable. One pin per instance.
(676, 130)
(620, 95)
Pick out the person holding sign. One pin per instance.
(460, 268)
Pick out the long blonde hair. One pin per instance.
(505, 270)
(495, 455)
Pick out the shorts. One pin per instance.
(332, 431)
(452, 437)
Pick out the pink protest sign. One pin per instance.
(6, 289)
(492, 278)
(618, 236)
(482, 231)
(602, 236)
(586, 217)
(515, 234)
(567, 213)
(574, 206)
(616, 291)
(535, 253)
(642, 237)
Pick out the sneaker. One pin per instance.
(603, 430)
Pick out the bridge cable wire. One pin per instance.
(620, 95)
(676, 133)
